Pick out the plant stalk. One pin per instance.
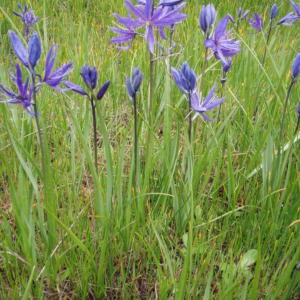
(219, 110)
(268, 38)
(284, 111)
(38, 126)
(95, 132)
(135, 140)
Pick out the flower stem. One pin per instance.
(190, 118)
(38, 126)
(95, 132)
(284, 111)
(203, 70)
(135, 138)
(268, 38)
(219, 111)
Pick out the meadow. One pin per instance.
(207, 211)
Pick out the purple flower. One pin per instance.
(220, 44)
(137, 78)
(240, 16)
(296, 67)
(23, 96)
(90, 78)
(34, 50)
(146, 18)
(207, 18)
(291, 18)
(29, 57)
(19, 48)
(257, 23)
(201, 105)
(28, 18)
(185, 78)
(126, 35)
(54, 78)
(161, 2)
(226, 67)
(244, 15)
(274, 11)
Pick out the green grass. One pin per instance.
(229, 231)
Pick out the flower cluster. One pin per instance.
(148, 17)
(28, 18)
(221, 44)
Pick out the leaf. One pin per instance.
(249, 258)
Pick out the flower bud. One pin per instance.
(298, 109)
(130, 90)
(19, 48)
(296, 67)
(34, 50)
(274, 11)
(103, 90)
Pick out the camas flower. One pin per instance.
(240, 16)
(296, 67)
(126, 35)
(23, 96)
(146, 18)
(54, 78)
(291, 18)
(207, 18)
(90, 78)
(28, 58)
(257, 22)
(137, 78)
(28, 18)
(201, 105)
(274, 11)
(185, 78)
(221, 45)
(161, 2)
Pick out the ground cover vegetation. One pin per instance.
(149, 150)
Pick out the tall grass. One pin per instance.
(236, 234)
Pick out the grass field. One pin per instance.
(228, 229)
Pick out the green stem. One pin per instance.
(281, 129)
(135, 138)
(95, 132)
(203, 71)
(38, 126)
(268, 38)
(219, 111)
(284, 111)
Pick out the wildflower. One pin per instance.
(162, 2)
(54, 78)
(185, 78)
(19, 48)
(28, 18)
(274, 11)
(257, 23)
(220, 44)
(291, 18)
(137, 78)
(146, 18)
(207, 18)
(24, 96)
(225, 68)
(126, 35)
(90, 78)
(201, 105)
(298, 109)
(296, 67)
(34, 50)
(240, 16)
